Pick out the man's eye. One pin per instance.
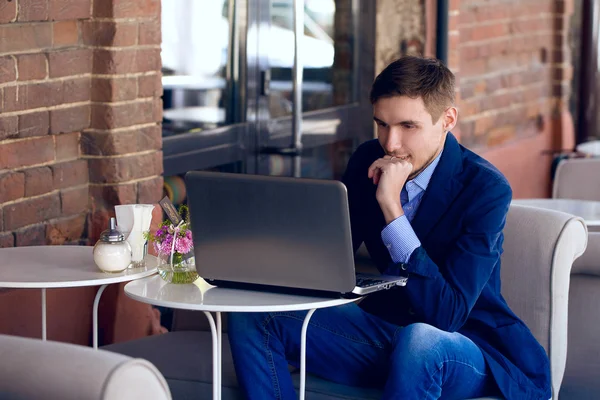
(409, 126)
(382, 124)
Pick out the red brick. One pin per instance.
(66, 33)
(484, 124)
(126, 61)
(31, 66)
(69, 174)
(8, 11)
(70, 62)
(67, 146)
(500, 135)
(38, 181)
(65, 230)
(124, 142)
(114, 89)
(122, 169)
(77, 90)
(106, 196)
(8, 72)
(69, 9)
(66, 120)
(150, 85)
(33, 10)
(157, 110)
(74, 201)
(149, 32)
(9, 127)
(7, 240)
(110, 33)
(26, 152)
(127, 8)
(33, 95)
(109, 116)
(12, 186)
(34, 124)
(31, 211)
(483, 32)
(150, 191)
(23, 37)
(34, 235)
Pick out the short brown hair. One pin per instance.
(415, 77)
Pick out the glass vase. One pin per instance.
(181, 268)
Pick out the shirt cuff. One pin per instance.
(400, 239)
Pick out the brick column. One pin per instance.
(45, 74)
(123, 142)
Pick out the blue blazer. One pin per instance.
(454, 277)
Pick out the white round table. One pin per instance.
(200, 296)
(46, 267)
(589, 211)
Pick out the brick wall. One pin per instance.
(513, 67)
(79, 115)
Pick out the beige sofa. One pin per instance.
(539, 249)
(32, 369)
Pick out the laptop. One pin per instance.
(276, 233)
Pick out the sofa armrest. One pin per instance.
(33, 369)
(589, 262)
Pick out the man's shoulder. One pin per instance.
(369, 151)
(483, 173)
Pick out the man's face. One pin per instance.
(405, 130)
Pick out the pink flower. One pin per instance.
(183, 245)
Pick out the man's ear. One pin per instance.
(450, 118)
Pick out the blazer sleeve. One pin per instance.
(352, 181)
(443, 295)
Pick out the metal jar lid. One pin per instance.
(112, 234)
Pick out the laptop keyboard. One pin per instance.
(368, 282)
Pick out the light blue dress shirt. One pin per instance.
(399, 236)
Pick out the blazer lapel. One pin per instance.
(443, 188)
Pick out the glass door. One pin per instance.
(205, 82)
(316, 109)
(238, 97)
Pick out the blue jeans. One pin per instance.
(349, 346)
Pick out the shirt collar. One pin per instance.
(422, 180)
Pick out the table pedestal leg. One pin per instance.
(44, 314)
(303, 353)
(215, 330)
(95, 317)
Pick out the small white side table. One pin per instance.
(46, 267)
(200, 296)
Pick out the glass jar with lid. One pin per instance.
(112, 253)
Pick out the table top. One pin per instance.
(201, 296)
(588, 210)
(39, 267)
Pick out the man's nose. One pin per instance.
(393, 142)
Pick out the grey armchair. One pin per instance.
(577, 178)
(582, 374)
(539, 249)
(32, 369)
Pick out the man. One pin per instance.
(427, 207)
